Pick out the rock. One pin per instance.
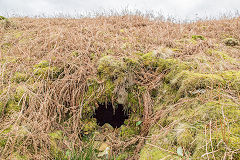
(104, 153)
(108, 127)
(104, 150)
(103, 146)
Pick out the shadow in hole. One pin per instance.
(105, 114)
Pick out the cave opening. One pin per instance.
(106, 113)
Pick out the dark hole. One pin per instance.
(106, 114)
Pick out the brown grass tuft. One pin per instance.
(72, 47)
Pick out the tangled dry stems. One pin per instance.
(76, 46)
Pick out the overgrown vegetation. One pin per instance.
(179, 83)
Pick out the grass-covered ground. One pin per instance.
(179, 83)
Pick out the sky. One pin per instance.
(179, 9)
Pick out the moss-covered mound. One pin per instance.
(180, 92)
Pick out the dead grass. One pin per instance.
(74, 46)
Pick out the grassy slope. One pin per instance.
(181, 80)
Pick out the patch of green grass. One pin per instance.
(87, 153)
(2, 18)
(196, 37)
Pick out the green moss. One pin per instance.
(176, 49)
(42, 64)
(190, 131)
(196, 37)
(180, 81)
(159, 59)
(18, 156)
(7, 60)
(5, 22)
(123, 156)
(133, 102)
(7, 130)
(18, 34)
(119, 72)
(92, 87)
(20, 90)
(185, 138)
(215, 109)
(44, 70)
(55, 138)
(232, 79)
(18, 132)
(171, 67)
(4, 48)
(223, 56)
(56, 135)
(154, 153)
(149, 59)
(188, 82)
(184, 41)
(166, 95)
(2, 18)
(230, 42)
(219, 143)
(75, 53)
(12, 106)
(93, 90)
(109, 66)
(89, 126)
(234, 141)
(1, 107)
(107, 127)
(195, 114)
(3, 142)
(121, 30)
(3, 138)
(130, 128)
(127, 132)
(19, 77)
(200, 148)
(109, 87)
(231, 140)
(132, 63)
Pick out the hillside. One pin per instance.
(173, 89)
